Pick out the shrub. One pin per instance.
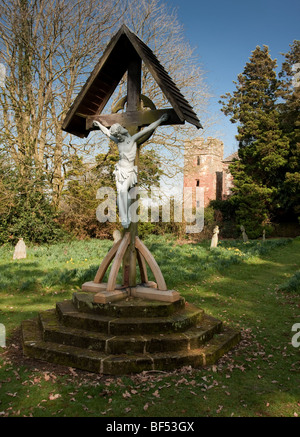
(292, 285)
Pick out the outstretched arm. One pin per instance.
(150, 128)
(105, 131)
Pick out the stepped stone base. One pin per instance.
(126, 336)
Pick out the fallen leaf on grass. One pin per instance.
(53, 397)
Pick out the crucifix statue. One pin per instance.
(128, 129)
(126, 171)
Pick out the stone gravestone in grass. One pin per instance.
(214, 240)
(131, 327)
(244, 235)
(20, 250)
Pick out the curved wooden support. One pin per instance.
(106, 261)
(111, 284)
(145, 252)
(142, 266)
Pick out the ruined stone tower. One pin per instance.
(205, 167)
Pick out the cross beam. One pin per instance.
(133, 118)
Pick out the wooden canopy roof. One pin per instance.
(107, 74)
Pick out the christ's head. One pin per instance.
(118, 131)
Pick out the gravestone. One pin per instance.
(214, 240)
(244, 235)
(2, 335)
(264, 236)
(20, 250)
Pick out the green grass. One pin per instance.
(240, 283)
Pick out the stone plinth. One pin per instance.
(127, 336)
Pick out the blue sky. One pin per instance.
(224, 33)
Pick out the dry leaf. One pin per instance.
(53, 397)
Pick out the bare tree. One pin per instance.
(157, 25)
(47, 48)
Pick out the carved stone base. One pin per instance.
(129, 336)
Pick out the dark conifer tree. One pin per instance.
(263, 146)
(290, 122)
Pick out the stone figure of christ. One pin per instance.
(125, 171)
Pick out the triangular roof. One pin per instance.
(108, 73)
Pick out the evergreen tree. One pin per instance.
(25, 210)
(263, 147)
(290, 120)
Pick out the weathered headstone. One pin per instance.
(214, 240)
(245, 237)
(20, 250)
(264, 235)
(2, 335)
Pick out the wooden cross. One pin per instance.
(124, 53)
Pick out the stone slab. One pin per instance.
(129, 307)
(110, 296)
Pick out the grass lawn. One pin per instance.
(246, 285)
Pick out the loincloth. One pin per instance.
(122, 174)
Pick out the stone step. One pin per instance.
(130, 307)
(192, 338)
(95, 361)
(181, 320)
(35, 347)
